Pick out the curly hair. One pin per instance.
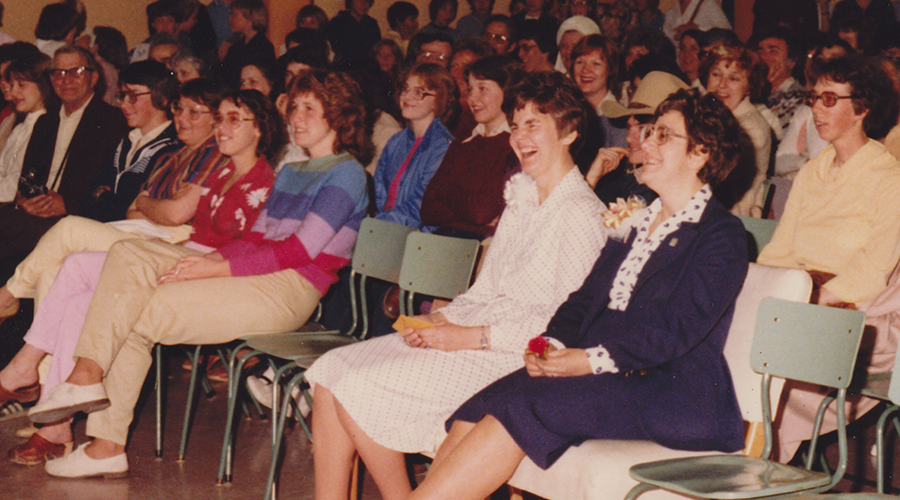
(607, 48)
(709, 126)
(871, 89)
(745, 60)
(273, 133)
(344, 108)
(553, 94)
(438, 80)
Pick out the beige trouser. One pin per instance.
(35, 275)
(130, 313)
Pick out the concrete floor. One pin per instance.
(195, 478)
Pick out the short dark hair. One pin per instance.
(205, 91)
(255, 11)
(710, 126)
(311, 49)
(543, 33)
(420, 39)
(12, 51)
(56, 21)
(273, 133)
(511, 25)
(791, 40)
(502, 70)
(312, 11)
(162, 8)
(651, 39)
(344, 108)
(474, 45)
(269, 71)
(400, 11)
(33, 68)
(156, 76)
(436, 78)
(871, 90)
(607, 47)
(436, 5)
(551, 93)
(348, 2)
(111, 46)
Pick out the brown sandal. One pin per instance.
(28, 394)
(36, 450)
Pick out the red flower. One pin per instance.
(538, 345)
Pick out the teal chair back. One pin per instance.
(434, 265)
(806, 342)
(894, 391)
(759, 233)
(378, 254)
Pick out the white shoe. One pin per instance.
(261, 389)
(77, 464)
(68, 399)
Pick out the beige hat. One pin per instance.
(654, 89)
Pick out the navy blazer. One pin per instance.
(671, 337)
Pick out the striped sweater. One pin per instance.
(309, 223)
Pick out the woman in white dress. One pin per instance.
(390, 395)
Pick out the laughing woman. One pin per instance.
(390, 395)
(657, 306)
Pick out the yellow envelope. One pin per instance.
(404, 322)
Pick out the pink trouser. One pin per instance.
(60, 316)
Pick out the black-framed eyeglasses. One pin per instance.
(417, 93)
(192, 113)
(79, 72)
(829, 99)
(233, 120)
(659, 133)
(127, 95)
(496, 36)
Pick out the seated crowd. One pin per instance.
(202, 187)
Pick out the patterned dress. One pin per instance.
(400, 395)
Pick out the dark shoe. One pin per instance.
(28, 394)
(38, 449)
(391, 302)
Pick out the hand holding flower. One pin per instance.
(559, 363)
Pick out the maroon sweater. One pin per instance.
(467, 190)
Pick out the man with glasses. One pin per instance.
(146, 90)
(67, 150)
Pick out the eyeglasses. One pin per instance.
(127, 95)
(659, 134)
(233, 120)
(192, 113)
(60, 74)
(829, 99)
(428, 56)
(417, 93)
(496, 36)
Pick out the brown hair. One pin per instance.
(607, 48)
(344, 108)
(553, 94)
(710, 126)
(273, 134)
(437, 79)
(744, 59)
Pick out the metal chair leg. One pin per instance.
(225, 463)
(879, 445)
(278, 434)
(189, 404)
(159, 400)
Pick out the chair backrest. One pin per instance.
(894, 390)
(807, 342)
(379, 249)
(760, 233)
(761, 282)
(439, 266)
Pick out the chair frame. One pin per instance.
(777, 354)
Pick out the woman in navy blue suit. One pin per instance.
(636, 353)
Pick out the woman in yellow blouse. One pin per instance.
(842, 219)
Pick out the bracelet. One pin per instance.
(484, 341)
